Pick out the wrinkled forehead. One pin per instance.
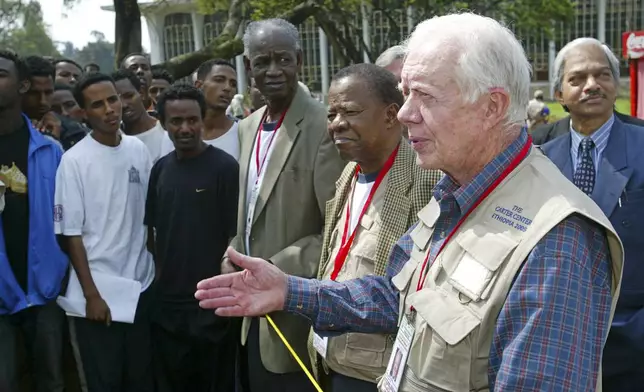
(270, 39)
(430, 63)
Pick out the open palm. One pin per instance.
(257, 290)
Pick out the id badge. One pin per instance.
(321, 344)
(254, 195)
(399, 354)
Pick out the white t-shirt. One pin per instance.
(360, 195)
(265, 150)
(100, 195)
(157, 141)
(228, 142)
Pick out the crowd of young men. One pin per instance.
(122, 193)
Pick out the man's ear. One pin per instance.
(24, 86)
(391, 115)
(247, 65)
(198, 83)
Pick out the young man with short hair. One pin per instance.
(218, 80)
(101, 186)
(32, 265)
(136, 120)
(139, 63)
(161, 81)
(192, 204)
(38, 105)
(68, 72)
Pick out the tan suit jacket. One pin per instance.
(408, 190)
(289, 215)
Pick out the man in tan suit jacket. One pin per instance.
(281, 210)
(368, 140)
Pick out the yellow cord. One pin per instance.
(299, 361)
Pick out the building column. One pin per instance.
(240, 67)
(601, 20)
(324, 63)
(242, 79)
(366, 30)
(410, 20)
(155, 32)
(551, 68)
(197, 29)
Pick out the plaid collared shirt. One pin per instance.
(551, 330)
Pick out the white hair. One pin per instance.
(254, 27)
(488, 56)
(390, 55)
(560, 60)
(237, 105)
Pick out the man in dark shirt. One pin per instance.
(192, 205)
(38, 105)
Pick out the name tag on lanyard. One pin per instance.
(260, 164)
(398, 361)
(321, 344)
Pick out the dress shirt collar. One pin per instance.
(599, 137)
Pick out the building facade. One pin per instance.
(175, 27)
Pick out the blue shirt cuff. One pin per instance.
(302, 296)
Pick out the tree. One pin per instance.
(23, 30)
(127, 27)
(340, 21)
(100, 52)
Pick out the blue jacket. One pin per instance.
(619, 192)
(47, 263)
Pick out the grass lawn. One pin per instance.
(556, 111)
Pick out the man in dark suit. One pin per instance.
(602, 155)
(547, 132)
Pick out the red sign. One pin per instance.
(633, 44)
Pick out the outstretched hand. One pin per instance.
(257, 290)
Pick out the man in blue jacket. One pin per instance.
(32, 265)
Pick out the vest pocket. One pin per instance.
(442, 350)
(367, 351)
(473, 269)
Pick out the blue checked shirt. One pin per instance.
(550, 332)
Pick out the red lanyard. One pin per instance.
(270, 142)
(345, 245)
(513, 165)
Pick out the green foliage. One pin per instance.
(524, 15)
(100, 52)
(209, 7)
(23, 30)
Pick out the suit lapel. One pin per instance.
(560, 155)
(396, 207)
(613, 173)
(334, 208)
(284, 141)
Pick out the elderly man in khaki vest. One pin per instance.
(509, 280)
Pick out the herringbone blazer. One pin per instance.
(409, 189)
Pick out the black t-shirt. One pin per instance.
(192, 204)
(14, 149)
